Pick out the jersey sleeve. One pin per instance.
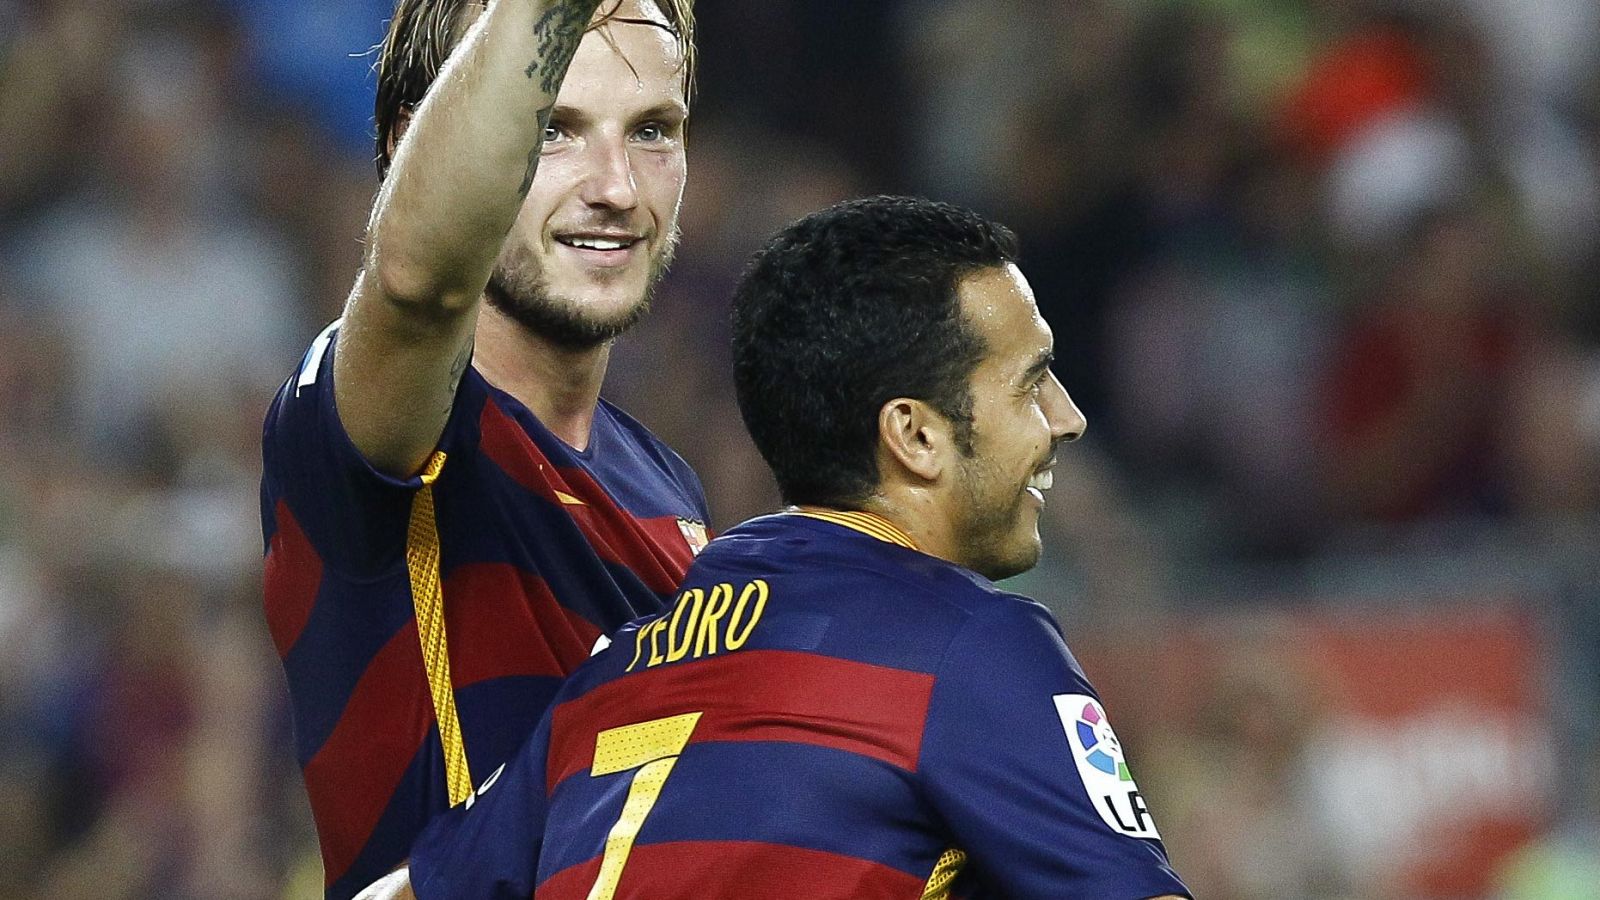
(1020, 761)
(355, 515)
(488, 847)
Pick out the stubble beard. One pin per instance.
(990, 509)
(519, 290)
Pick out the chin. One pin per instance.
(1019, 566)
(1013, 561)
(569, 323)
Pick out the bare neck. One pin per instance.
(916, 510)
(559, 385)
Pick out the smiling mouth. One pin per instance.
(595, 242)
(1041, 482)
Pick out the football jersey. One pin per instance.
(824, 712)
(425, 623)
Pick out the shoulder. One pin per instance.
(952, 594)
(310, 386)
(303, 427)
(314, 368)
(640, 469)
(888, 604)
(633, 432)
(991, 627)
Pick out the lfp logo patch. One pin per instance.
(1101, 766)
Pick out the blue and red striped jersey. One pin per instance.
(424, 624)
(824, 712)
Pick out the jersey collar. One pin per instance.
(870, 524)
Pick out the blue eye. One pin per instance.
(652, 132)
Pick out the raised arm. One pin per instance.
(459, 176)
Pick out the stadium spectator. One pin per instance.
(141, 246)
(1418, 384)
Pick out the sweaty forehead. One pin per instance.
(999, 305)
(644, 16)
(640, 35)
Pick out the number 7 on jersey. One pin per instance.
(651, 747)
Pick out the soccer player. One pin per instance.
(453, 517)
(841, 702)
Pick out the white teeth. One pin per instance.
(1042, 481)
(598, 243)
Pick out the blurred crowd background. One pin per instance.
(1322, 274)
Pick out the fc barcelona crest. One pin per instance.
(695, 534)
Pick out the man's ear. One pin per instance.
(914, 437)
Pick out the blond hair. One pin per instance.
(422, 34)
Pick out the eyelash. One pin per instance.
(554, 130)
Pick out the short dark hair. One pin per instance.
(844, 311)
(422, 34)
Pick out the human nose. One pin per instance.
(608, 177)
(1066, 420)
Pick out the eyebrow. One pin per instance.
(1040, 364)
(667, 111)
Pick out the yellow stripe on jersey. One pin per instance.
(427, 597)
(870, 524)
(944, 874)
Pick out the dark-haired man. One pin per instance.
(453, 516)
(841, 703)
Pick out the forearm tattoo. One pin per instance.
(558, 32)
